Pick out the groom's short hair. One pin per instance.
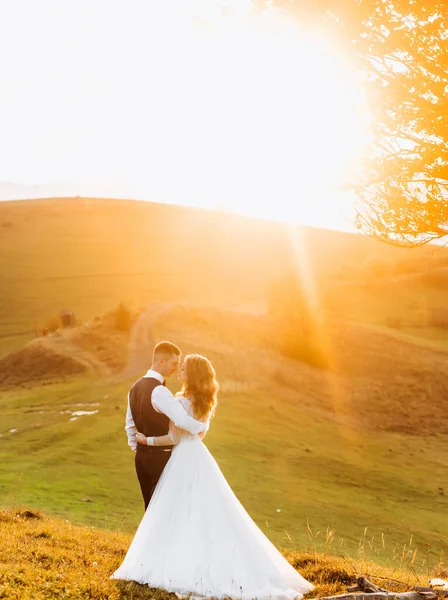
(166, 349)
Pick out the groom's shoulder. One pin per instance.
(137, 384)
(145, 382)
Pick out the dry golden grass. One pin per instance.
(42, 558)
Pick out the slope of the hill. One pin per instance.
(351, 451)
(89, 255)
(42, 558)
(357, 450)
(98, 347)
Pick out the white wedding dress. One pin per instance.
(197, 540)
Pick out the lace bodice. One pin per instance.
(175, 433)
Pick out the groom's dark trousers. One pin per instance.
(149, 464)
(149, 460)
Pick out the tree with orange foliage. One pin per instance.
(400, 49)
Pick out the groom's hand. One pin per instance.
(141, 439)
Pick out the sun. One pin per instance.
(270, 117)
(198, 102)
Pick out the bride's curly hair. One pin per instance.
(200, 387)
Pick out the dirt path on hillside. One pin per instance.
(141, 341)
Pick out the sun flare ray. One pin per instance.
(200, 103)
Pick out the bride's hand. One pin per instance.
(141, 439)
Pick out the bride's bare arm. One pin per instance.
(161, 440)
(171, 439)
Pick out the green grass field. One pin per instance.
(302, 478)
(352, 461)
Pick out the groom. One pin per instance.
(151, 407)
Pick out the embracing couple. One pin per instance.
(195, 538)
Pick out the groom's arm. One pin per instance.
(164, 401)
(131, 429)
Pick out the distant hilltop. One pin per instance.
(10, 190)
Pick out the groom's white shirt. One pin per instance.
(164, 402)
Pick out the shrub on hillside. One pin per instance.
(378, 268)
(50, 326)
(437, 278)
(439, 318)
(123, 318)
(294, 328)
(395, 322)
(294, 343)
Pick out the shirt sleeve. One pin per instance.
(164, 401)
(131, 429)
(207, 426)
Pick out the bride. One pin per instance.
(195, 538)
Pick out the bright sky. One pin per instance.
(184, 101)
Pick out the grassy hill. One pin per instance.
(43, 558)
(350, 459)
(88, 255)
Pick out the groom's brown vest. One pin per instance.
(147, 420)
